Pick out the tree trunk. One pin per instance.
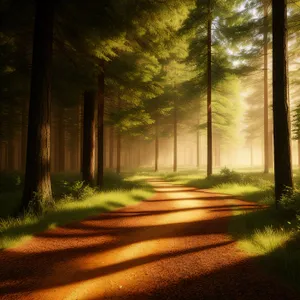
(266, 92)
(80, 136)
(282, 148)
(139, 152)
(3, 160)
(271, 150)
(74, 155)
(37, 185)
(89, 138)
(111, 147)
(11, 147)
(198, 147)
(56, 137)
(209, 92)
(106, 148)
(74, 148)
(119, 152)
(100, 172)
(24, 134)
(156, 145)
(119, 143)
(11, 142)
(17, 152)
(61, 140)
(126, 158)
(175, 137)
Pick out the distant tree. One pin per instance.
(101, 101)
(208, 28)
(266, 88)
(296, 128)
(89, 137)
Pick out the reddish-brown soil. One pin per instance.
(173, 246)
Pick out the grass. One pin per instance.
(271, 237)
(11, 187)
(252, 186)
(118, 192)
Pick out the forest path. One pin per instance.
(173, 246)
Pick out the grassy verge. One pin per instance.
(273, 238)
(253, 186)
(76, 204)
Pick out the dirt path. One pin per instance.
(173, 246)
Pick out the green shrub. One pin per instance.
(290, 201)
(228, 175)
(78, 190)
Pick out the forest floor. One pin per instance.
(174, 245)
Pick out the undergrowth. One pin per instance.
(252, 186)
(76, 202)
(273, 235)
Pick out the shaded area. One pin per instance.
(165, 250)
(12, 184)
(254, 226)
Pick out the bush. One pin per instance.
(290, 202)
(78, 190)
(230, 175)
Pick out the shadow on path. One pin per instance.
(192, 255)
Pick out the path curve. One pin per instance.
(172, 246)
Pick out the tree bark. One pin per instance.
(74, 145)
(80, 135)
(61, 140)
(111, 147)
(271, 150)
(175, 137)
(3, 159)
(282, 148)
(119, 143)
(156, 145)
(198, 147)
(11, 147)
(56, 137)
(209, 92)
(266, 92)
(24, 134)
(11, 142)
(119, 152)
(100, 173)
(74, 155)
(139, 152)
(89, 138)
(37, 185)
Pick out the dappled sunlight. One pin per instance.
(14, 231)
(265, 241)
(149, 149)
(140, 247)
